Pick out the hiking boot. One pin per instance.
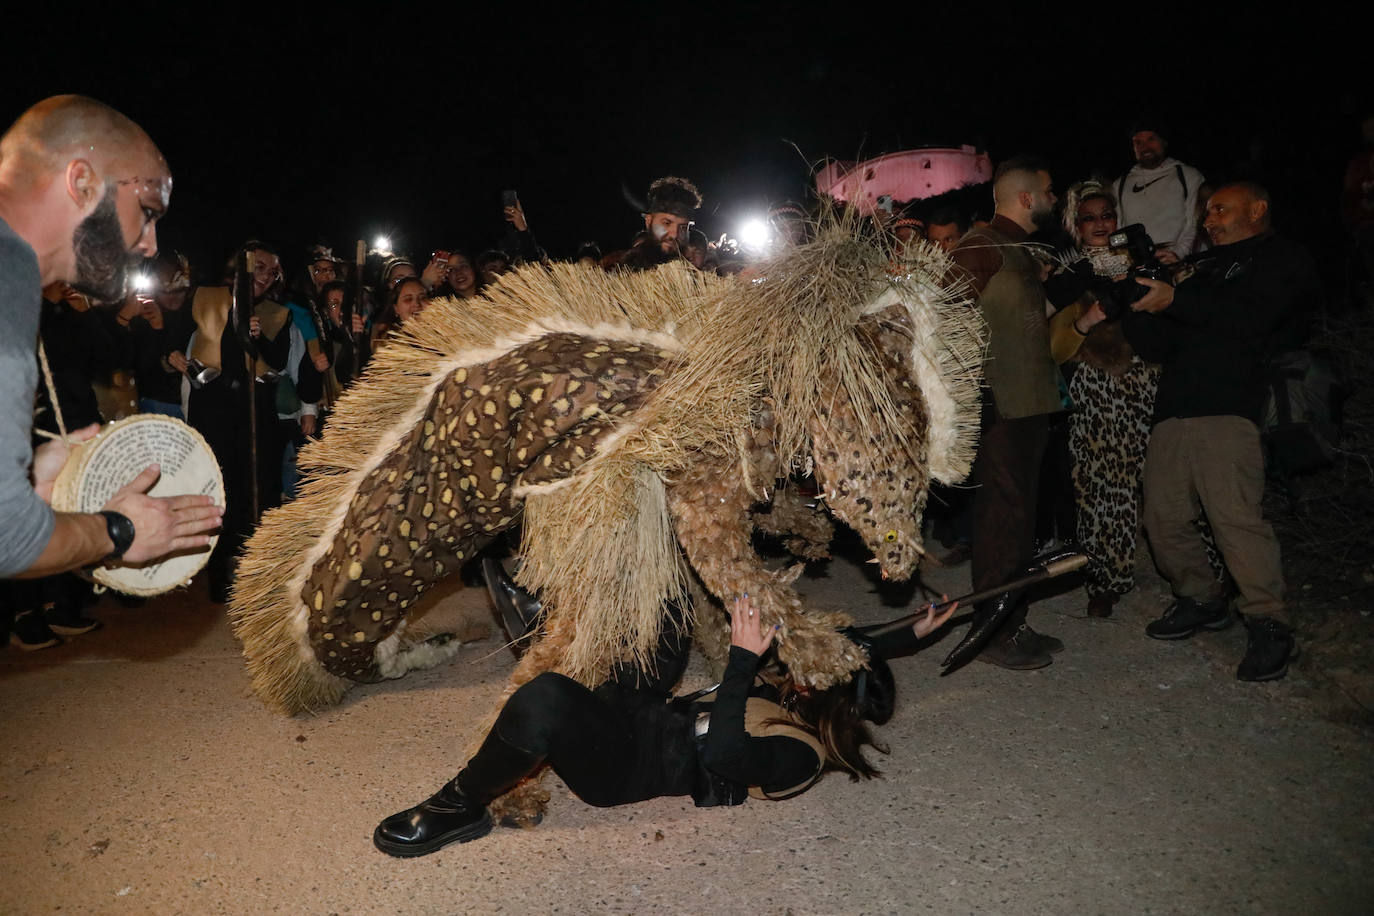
(1185, 617)
(1047, 644)
(1018, 652)
(31, 632)
(1269, 647)
(447, 816)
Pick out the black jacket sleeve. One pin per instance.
(776, 761)
(1150, 335)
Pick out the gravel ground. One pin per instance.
(1131, 776)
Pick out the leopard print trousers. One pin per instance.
(1108, 432)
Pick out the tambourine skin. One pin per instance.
(100, 467)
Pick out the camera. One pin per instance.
(1116, 297)
(199, 373)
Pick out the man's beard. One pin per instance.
(102, 261)
(1043, 218)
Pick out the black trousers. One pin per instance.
(1007, 474)
(219, 412)
(617, 744)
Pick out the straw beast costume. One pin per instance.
(633, 418)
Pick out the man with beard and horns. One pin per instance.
(81, 190)
(1021, 390)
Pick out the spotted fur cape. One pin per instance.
(637, 426)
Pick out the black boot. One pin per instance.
(1269, 647)
(447, 816)
(519, 609)
(457, 813)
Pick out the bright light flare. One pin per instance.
(141, 283)
(755, 234)
(382, 244)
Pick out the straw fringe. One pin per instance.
(602, 545)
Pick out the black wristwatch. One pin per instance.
(121, 532)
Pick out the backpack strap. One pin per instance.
(1182, 182)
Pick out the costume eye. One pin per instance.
(890, 537)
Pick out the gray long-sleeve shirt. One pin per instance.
(26, 522)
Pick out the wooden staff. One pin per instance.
(1053, 568)
(242, 310)
(986, 621)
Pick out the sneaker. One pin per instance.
(1018, 652)
(1269, 647)
(69, 621)
(1185, 617)
(31, 633)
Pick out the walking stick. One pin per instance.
(986, 622)
(243, 315)
(354, 306)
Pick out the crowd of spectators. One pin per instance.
(1092, 375)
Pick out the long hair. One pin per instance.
(834, 718)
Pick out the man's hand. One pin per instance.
(360, 323)
(516, 217)
(745, 630)
(254, 327)
(1159, 298)
(163, 524)
(177, 360)
(49, 458)
(308, 424)
(321, 362)
(1166, 256)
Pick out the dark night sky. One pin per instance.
(303, 124)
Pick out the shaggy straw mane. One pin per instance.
(599, 546)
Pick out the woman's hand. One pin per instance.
(434, 275)
(1090, 319)
(515, 215)
(932, 621)
(745, 629)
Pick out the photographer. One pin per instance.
(1234, 307)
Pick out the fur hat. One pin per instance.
(674, 195)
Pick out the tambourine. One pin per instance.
(100, 467)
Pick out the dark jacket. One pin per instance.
(1243, 304)
(1019, 370)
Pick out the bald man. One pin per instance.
(81, 190)
(1021, 391)
(1239, 305)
